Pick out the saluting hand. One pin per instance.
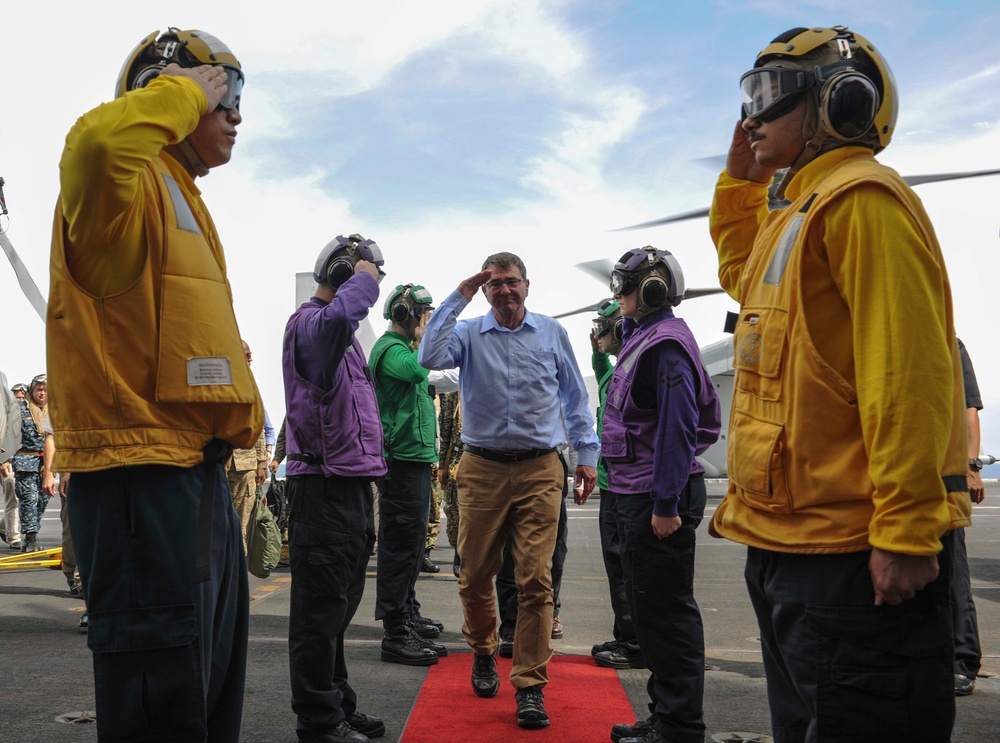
(471, 285)
(211, 78)
(741, 163)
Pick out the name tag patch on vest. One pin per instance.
(779, 260)
(209, 370)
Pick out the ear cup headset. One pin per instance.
(857, 93)
(655, 276)
(852, 91)
(407, 302)
(189, 48)
(336, 261)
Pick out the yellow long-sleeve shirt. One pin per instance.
(844, 421)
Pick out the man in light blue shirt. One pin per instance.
(519, 382)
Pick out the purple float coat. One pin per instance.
(332, 417)
(660, 413)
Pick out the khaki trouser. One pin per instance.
(523, 499)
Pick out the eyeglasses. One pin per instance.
(495, 284)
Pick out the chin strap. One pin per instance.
(192, 157)
(813, 147)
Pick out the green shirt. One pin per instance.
(405, 405)
(601, 364)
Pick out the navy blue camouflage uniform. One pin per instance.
(27, 466)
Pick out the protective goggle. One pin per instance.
(771, 92)
(40, 379)
(234, 89)
(623, 283)
(19, 387)
(234, 84)
(603, 325)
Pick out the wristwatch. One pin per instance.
(975, 464)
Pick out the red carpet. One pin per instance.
(583, 702)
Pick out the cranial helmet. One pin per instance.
(36, 382)
(185, 48)
(654, 274)
(336, 261)
(855, 88)
(852, 91)
(609, 320)
(407, 301)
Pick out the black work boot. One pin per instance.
(401, 645)
(636, 730)
(440, 650)
(428, 566)
(30, 543)
(426, 628)
(626, 655)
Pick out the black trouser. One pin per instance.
(330, 538)
(842, 670)
(968, 651)
(169, 653)
(612, 549)
(404, 507)
(659, 581)
(507, 588)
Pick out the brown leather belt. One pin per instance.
(507, 457)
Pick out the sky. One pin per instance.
(449, 130)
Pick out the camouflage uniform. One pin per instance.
(242, 473)
(450, 428)
(434, 521)
(27, 466)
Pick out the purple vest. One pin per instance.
(628, 436)
(333, 432)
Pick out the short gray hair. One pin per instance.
(506, 260)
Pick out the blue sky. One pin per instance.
(447, 130)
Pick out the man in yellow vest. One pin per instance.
(847, 452)
(152, 391)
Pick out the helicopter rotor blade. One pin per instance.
(913, 180)
(916, 180)
(589, 308)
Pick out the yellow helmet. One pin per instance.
(857, 91)
(185, 48)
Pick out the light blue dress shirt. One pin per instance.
(517, 386)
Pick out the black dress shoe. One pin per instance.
(531, 708)
(624, 656)
(506, 647)
(369, 725)
(341, 733)
(636, 730)
(485, 679)
(964, 685)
